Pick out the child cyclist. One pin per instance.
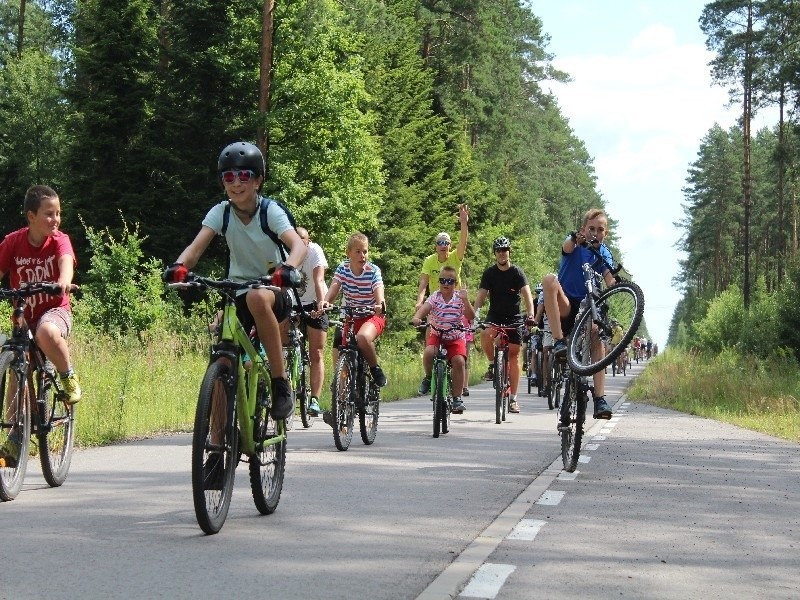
(446, 308)
(361, 285)
(563, 292)
(252, 254)
(37, 253)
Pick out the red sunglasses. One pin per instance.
(243, 175)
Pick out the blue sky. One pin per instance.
(641, 99)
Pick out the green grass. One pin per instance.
(135, 389)
(745, 391)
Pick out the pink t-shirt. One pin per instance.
(26, 263)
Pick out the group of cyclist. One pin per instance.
(262, 238)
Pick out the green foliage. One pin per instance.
(123, 290)
(722, 326)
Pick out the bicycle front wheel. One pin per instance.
(438, 397)
(499, 387)
(268, 464)
(15, 427)
(215, 452)
(369, 409)
(554, 383)
(539, 375)
(344, 381)
(570, 425)
(623, 302)
(531, 367)
(304, 397)
(55, 434)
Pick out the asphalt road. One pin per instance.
(667, 506)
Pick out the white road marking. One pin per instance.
(526, 530)
(599, 438)
(550, 498)
(487, 581)
(591, 447)
(584, 459)
(564, 476)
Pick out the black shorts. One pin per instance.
(321, 323)
(281, 308)
(568, 322)
(514, 335)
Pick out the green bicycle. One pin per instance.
(232, 417)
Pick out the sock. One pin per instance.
(67, 373)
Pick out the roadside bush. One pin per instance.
(722, 325)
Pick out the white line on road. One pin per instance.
(487, 581)
(526, 530)
(551, 498)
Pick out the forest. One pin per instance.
(378, 116)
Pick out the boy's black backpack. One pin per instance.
(263, 205)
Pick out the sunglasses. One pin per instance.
(447, 280)
(244, 175)
(442, 243)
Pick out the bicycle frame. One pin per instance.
(232, 334)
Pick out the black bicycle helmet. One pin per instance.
(501, 242)
(539, 288)
(241, 155)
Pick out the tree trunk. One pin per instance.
(21, 28)
(265, 82)
(746, 118)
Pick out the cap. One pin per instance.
(443, 236)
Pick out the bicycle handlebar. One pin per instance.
(46, 287)
(193, 280)
(614, 270)
(426, 324)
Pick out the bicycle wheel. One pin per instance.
(570, 425)
(554, 381)
(215, 451)
(304, 395)
(369, 409)
(15, 433)
(624, 302)
(448, 401)
(56, 432)
(539, 375)
(268, 464)
(499, 391)
(506, 386)
(437, 384)
(531, 367)
(342, 403)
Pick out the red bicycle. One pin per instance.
(502, 379)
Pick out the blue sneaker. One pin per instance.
(313, 407)
(424, 386)
(560, 348)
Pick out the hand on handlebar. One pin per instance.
(175, 273)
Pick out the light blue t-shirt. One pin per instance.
(252, 252)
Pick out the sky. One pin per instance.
(641, 99)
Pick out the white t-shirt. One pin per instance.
(315, 257)
(252, 253)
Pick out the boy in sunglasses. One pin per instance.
(445, 309)
(252, 254)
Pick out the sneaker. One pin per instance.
(214, 471)
(560, 348)
(601, 408)
(72, 388)
(465, 392)
(9, 454)
(313, 407)
(489, 376)
(378, 376)
(327, 418)
(458, 406)
(424, 386)
(282, 403)
(513, 407)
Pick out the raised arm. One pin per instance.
(463, 218)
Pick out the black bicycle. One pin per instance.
(555, 380)
(353, 390)
(297, 366)
(32, 402)
(623, 302)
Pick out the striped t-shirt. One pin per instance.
(446, 314)
(358, 290)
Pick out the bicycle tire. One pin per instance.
(369, 409)
(11, 477)
(210, 504)
(303, 396)
(530, 367)
(506, 386)
(624, 302)
(438, 397)
(554, 382)
(342, 402)
(55, 432)
(499, 413)
(571, 420)
(539, 375)
(268, 464)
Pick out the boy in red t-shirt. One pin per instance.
(41, 253)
